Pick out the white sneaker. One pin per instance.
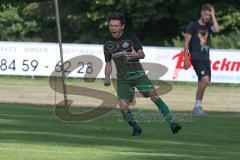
(198, 111)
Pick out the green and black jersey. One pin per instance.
(114, 49)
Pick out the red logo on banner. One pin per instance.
(224, 64)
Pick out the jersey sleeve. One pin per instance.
(190, 28)
(107, 55)
(209, 26)
(137, 45)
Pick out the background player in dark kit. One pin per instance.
(197, 42)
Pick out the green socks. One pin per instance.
(165, 111)
(127, 116)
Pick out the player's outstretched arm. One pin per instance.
(108, 72)
(187, 39)
(215, 28)
(135, 54)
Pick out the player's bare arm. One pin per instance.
(135, 54)
(215, 28)
(108, 72)
(187, 39)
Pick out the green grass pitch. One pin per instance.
(30, 132)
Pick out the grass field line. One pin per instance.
(101, 152)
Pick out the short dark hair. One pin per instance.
(207, 6)
(116, 16)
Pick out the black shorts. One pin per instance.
(202, 68)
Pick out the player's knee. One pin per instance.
(154, 98)
(205, 80)
(123, 105)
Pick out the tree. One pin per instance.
(156, 22)
(14, 26)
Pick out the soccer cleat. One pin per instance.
(137, 131)
(107, 83)
(198, 111)
(175, 128)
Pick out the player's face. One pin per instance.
(116, 28)
(206, 16)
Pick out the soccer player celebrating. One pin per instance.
(197, 42)
(125, 49)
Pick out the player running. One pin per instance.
(125, 49)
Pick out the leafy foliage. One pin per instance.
(15, 26)
(156, 22)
